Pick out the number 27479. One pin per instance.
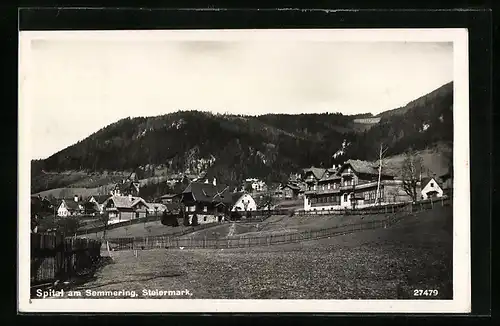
(425, 293)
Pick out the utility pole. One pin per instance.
(381, 153)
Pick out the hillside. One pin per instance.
(234, 147)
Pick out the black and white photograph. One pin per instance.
(244, 171)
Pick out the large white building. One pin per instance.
(353, 185)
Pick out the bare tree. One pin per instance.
(104, 218)
(381, 163)
(411, 173)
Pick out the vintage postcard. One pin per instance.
(244, 171)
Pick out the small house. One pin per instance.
(431, 189)
(209, 201)
(291, 190)
(125, 208)
(156, 209)
(126, 188)
(312, 175)
(70, 207)
(98, 201)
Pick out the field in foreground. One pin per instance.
(387, 263)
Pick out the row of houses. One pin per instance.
(208, 200)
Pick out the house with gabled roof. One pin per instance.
(313, 174)
(431, 188)
(97, 201)
(209, 201)
(70, 207)
(242, 202)
(127, 187)
(156, 209)
(125, 208)
(291, 190)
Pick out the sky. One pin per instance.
(77, 87)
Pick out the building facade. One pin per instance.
(353, 185)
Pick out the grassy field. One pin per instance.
(273, 225)
(138, 230)
(281, 224)
(416, 253)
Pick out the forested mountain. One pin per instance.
(234, 147)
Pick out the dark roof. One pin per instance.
(235, 196)
(317, 172)
(208, 193)
(291, 186)
(330, 178)
(366, 167)
(426, 180)
(71, 204)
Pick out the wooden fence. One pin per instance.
(242, 241)
(379, 209)
(54, 257)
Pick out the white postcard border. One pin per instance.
(461, 302)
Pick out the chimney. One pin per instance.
(76, 198)
(214, 182)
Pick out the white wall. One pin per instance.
(204, 219)
(240, 204)
(62, 211)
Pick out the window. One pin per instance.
(204, 218)
(205, 208)
(432, 184)
(328, 186)
(136, 214)
(345, 197)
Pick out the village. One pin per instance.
(355, 184)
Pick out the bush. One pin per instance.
(235, 216)
(184, 217)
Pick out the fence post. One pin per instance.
(432, 203)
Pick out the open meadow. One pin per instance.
(386, 263)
